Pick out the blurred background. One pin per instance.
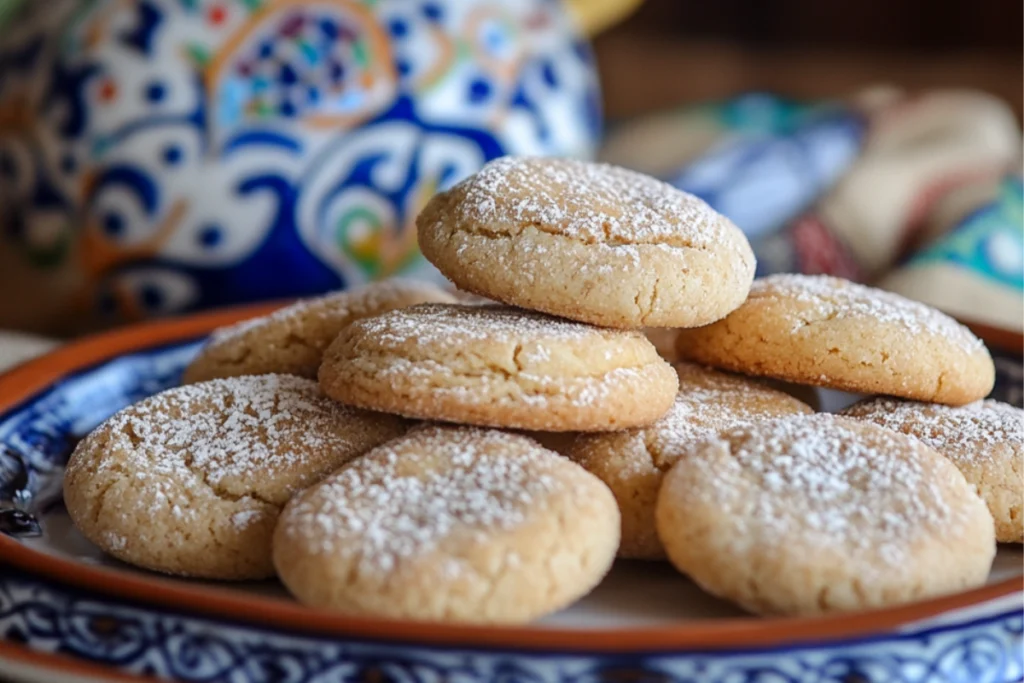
(673, 51)
(691, 51)
(159, 157)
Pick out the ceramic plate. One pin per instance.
(69, 613)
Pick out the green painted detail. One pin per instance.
(199, 55)
(361, 53)
(989, 242)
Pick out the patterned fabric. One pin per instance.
(857, 188)
(161, 156)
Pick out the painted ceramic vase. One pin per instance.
(163, 156)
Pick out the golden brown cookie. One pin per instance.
(499, 367)
(828, 332)
(449, 524)
(814, 514)
(292, 340)
(190, 481)
(985, 440)
(633, 462)
(590, 242)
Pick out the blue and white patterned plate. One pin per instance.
(69, 613)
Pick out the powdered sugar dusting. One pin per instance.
(963, 434)
(847, 486)
(453, 324)
(501, 356)
(402, 499)
(707, 403)
(253, 438)
(833, 298)
(593, 203)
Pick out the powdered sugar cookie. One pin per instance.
(292, 340)
(985, 440)
(449, 524)
(590, 242)
(190, 481)
(633, 462)
(499, 367)
(833, 333)
(818, 513)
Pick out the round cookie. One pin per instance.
(633, 462)
(292, 340)
(590, 242)
(815, 514)
(449, 524)
(985, 440)
(499, 367)
(190, 481)
(828, 332)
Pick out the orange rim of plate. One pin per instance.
(25, 381)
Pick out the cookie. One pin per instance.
(832, 333)
(292, 340)
(633, 462)
(449, 524)
(499, 367)
(590, 242)
(985, 440)
(190, 481)
(815, 514)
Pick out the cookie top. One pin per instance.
(632, 462)
(586, 241)
(830, 332)
(985, 440)
(819, 513)
(292, 339)
(498, 366)
(190, 481)
(449, 524)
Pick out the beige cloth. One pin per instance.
(16, 347)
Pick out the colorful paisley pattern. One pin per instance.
(160, 156)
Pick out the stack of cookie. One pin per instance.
(410, 479)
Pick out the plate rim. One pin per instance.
(20, 384)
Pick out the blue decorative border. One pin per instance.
(54, 618)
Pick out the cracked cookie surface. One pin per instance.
(449, 524)
(815, 514)
(589, 242)
(190, 481)
(498, 366)
(985, 440)
(292, 340)
(632, 463)
(828, 332)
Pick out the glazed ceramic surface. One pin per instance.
(160, 156)
(65, 607)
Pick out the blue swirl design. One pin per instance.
(288, 56)
(170, 645)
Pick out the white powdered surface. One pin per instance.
(837, 299)
(399, 504)
(818, 477)
(588, 202)
(964, 434)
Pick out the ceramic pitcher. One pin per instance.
(163, 156)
